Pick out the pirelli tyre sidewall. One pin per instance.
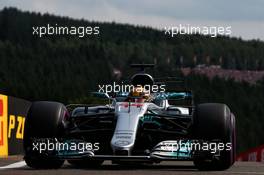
(214, 121)
(44, 120)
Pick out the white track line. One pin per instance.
(14, 165)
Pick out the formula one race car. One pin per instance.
(139, 126)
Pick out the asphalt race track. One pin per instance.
(15, 165)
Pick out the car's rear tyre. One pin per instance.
(213, 121)
(44, 120)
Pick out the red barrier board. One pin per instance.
(254, 155)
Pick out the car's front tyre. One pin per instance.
(44, 120)
(213, 121)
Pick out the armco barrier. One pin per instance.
(253, 155)
(12, 119)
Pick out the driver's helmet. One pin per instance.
(140, 93)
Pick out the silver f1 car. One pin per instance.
(165, 126)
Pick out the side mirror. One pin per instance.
(178, 95)
(100, 95)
